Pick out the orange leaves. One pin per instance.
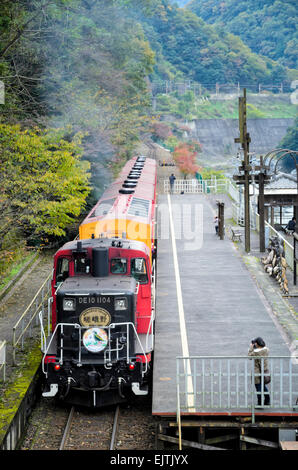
(185, 158)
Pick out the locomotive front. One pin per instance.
(95, 347)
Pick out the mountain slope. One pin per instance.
(203, 52)
(268, 27)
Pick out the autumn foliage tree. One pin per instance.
(185, 158)
(44, 182)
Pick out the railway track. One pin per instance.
(52, 426)
(91, 431)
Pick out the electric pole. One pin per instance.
(245, 178)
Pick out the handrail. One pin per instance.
(21, 320)
(152, 317)
(227, 383)
(108, 350)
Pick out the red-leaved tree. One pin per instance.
(185, 157)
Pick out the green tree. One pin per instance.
(44, 181)
(290, 141)
(268, 27)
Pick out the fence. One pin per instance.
(169, 86)
(194, 186)
(25, 323)
(226, 384)
(238, 217)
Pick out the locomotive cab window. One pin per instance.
(139, 270)
(82, 265)
(62, 271)
(118, 266)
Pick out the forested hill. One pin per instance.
(203, 52)
(77, 98)
(268, 27)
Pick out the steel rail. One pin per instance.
(67, 429)
(115, 428)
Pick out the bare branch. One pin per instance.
(22, 30)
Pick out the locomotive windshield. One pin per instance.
(139, 270)
(82, 265)
(62, 269)
(118, 265)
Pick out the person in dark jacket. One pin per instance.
(260, 352)
(172, 181)
(291, 225)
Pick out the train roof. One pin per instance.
(80, 285)
(106, 243)
(130, 195)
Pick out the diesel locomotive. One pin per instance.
(101, 312)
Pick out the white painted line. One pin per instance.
(185, 350)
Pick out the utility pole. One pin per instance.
(261, 208)
(245, 179)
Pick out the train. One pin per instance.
(98, 346)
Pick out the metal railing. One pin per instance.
(110, 353)
(227, 384)
(3, 359)
(150, 334)
(25, 323)
(194, 186)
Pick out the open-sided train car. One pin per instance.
(100, 347)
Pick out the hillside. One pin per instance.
(268, 27)
(78, 76)
(202, 52)
(190, 106)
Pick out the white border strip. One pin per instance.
(185, 350)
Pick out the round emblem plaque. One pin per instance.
(95, 316)
(95, 339)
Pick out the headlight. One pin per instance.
(69, 305)
(120, 304)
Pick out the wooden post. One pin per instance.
(296, 206)
(295, 239)
(245, 145)
(221, 219)
(261, 209)
(242, 442)
(272, 216)
(244, 139)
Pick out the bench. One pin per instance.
(236, 235)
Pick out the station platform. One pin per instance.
(207, 303)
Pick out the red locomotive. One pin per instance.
(99, 351)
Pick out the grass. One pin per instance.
(16, 267)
